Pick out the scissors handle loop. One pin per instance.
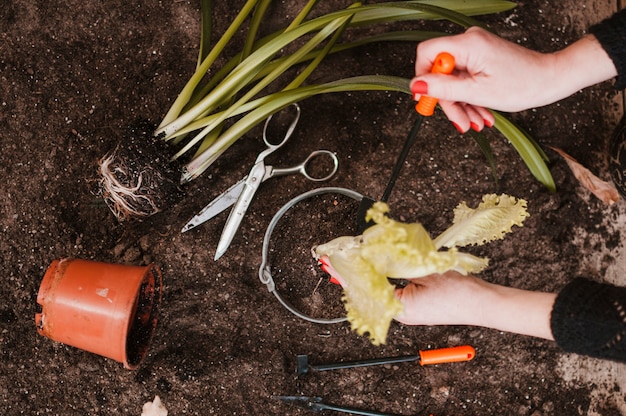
(305, 167)
(290, 129)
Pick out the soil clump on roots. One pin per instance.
(137, 179)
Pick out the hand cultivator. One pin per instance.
(428, 357)
(316, 404)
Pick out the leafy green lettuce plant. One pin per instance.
(390, 249)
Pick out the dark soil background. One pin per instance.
(76, 75)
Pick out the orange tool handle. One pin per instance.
(447, 355)
(444, 64)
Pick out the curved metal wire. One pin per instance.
(265, 274)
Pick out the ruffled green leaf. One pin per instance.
(390, 249)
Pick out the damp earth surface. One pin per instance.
(76, 77)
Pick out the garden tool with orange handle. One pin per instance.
(427, 357)
(444, 64)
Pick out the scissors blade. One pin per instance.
(251, 184)
(219, 204)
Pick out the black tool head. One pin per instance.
(302, 366)
(361, 224)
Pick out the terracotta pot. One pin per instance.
(107, 309)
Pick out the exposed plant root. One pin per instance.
(137, 178)
(125, 201)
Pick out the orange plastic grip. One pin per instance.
(447, 355)
(444, 64)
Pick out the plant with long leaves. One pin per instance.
(210, 115)
(258, 66)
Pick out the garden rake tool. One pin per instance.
(316, 404)
(428, 357)
(444, 64)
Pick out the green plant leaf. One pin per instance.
(237, 79)
(199, 113)
(485, 146)
(206, 26)
(429, 10)
(398, 36)
(528, 149)
(195, 79)
(309, 45)
(263, 107)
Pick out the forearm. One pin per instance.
(585, 317)
(515, 310)
(455, 299)
(582, 64)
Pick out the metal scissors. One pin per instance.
(242, 193)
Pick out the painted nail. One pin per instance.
(327, 270)
(419, 88)
(488, 123)
(474, 126)
(458, 127)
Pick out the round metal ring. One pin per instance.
(265, 274)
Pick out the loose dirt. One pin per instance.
(75, 75)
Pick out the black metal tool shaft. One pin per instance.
(366, 202)
(402, 158)
(351, 410)
(315, 404)
(364, 363)
(443, 64)
(456, 354)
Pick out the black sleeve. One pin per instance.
(589, 318)
(611, 33)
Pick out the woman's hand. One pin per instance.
(491, 72)
(442, 299)
(455, 299)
